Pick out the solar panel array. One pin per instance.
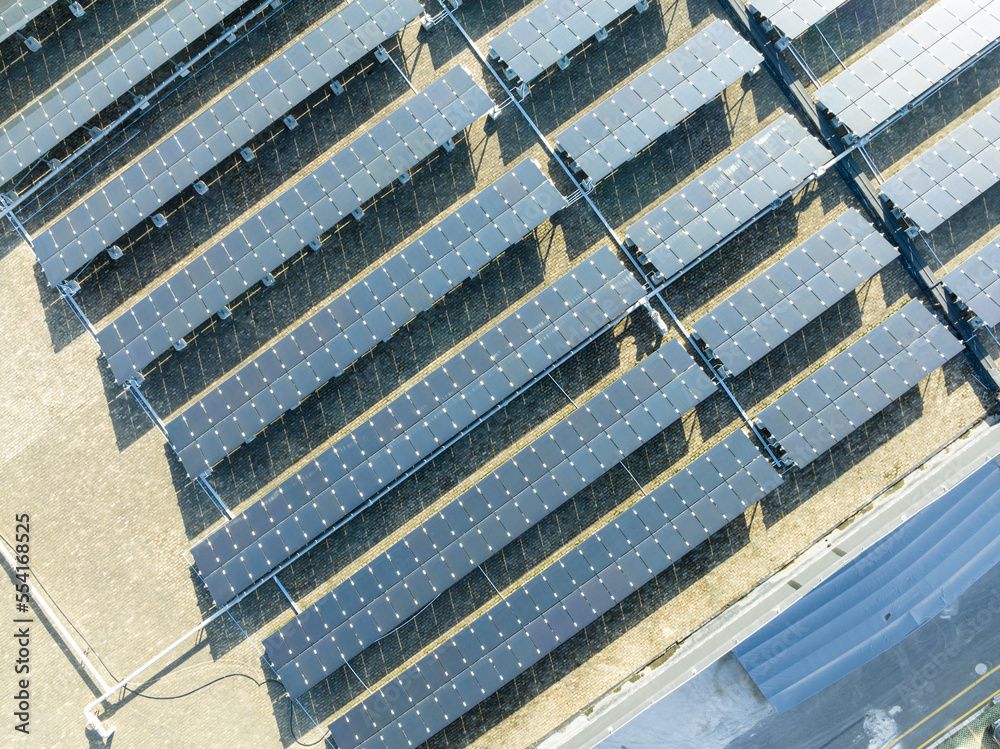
(657, 100)
(794, 17)
(317, 201)
(910, 63)
(568, 595)
(397, 437)
(551, 31)
(976, 283)
(101, 79)
(951, 174)
(779, 302)
(487, 517)
(695, 220)
(376, 307)
(17, 14)
(663, 526)
(825, 408)
(217, 132)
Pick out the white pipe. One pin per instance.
(88, 712)
(37, 599)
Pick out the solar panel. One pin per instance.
(955, 171)
(746, 183)
(743, 328)
(656, 101)
(16, 14)
(793, 17)
(351, 480)
(822, 410)
(551, 31)
(376, 308)
(910, 63)
(217, 132)
(103, 78)
(474, 540)
(975, 284)
(282, 228)
(639, 556)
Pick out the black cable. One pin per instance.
(291, 725)
(198, 689)
(69, 621)
(291, 703)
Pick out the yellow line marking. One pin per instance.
(927, 718)
(961, 717)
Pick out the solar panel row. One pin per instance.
(692, 222)
(657, 100)
(568, 595)
(826, 407)
(793, 17)
(950, 174)
(487, 517)
(217, 132)
(17, 14)
(103, 78)
(396, 438)
(551, 31)
(976, 284)
(317, 201)
(779, 302)
(370, 312)
(910, 63)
